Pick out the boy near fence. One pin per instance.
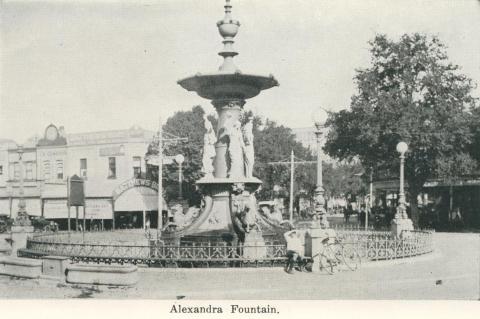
(295, 250)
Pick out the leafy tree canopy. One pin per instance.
(344, 179)
(274, 143)
(410, 93)
(183, 124)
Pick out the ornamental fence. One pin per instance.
(371, 246)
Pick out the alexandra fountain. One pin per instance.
(228, 186)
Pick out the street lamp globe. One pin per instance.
(179, 159)
(402, 147)
(320, 116)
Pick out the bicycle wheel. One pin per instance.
(337, 249)
(351, 257)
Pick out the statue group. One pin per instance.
(240, 160)
(240, 151)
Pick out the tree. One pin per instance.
(409, 93)
(344, 179)
(475, 128)
(190, 125)
(272, 144)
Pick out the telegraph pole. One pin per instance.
(292, 172)
(292, 163)
(161, 141)
(370, 202)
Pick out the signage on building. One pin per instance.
(466, 182)
(98, 138)
(52, 153)
(117, 150)
(76, 191)
(134, 182)
(166, 160)
(95, 209)
(57, 208)
(98, 209)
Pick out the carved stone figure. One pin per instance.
(209, 141)
(249, 155)
(244, 211)
(235, 150)
(250, 214)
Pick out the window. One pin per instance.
(112, 168)
(29, 171)
(59, 169)
(16, 171)
(137, 167)
(83, 167)
(46, 170)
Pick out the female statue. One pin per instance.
(209, 141)
(235, 150)
(249, 155)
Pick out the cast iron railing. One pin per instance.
(371, 245)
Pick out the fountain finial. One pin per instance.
(228, 29)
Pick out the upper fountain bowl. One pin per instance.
(220, 85)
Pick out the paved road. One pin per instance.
(452, 272)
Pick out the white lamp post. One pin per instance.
(21, 202)
(179, 159)
(320, 116)
(402, 147)
(22, 216)
(401, 224)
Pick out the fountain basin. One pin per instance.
(228, 85)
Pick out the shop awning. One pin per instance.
(95, 209)
(138, 199)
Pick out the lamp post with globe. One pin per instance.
(179, 159)
(320, 117)
(402, 147)
(22, 225)
(401, 222)
(22, 216)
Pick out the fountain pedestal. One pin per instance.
(229, 213)
(19, 236)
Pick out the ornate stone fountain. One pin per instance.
(230, 212)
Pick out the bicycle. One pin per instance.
(335, 253)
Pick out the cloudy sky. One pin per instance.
(100, 65)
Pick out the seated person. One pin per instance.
(295, 249)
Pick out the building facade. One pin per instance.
(111, 163)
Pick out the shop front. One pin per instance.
(136, 204)
(98, 213)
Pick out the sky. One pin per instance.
(103, 65)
